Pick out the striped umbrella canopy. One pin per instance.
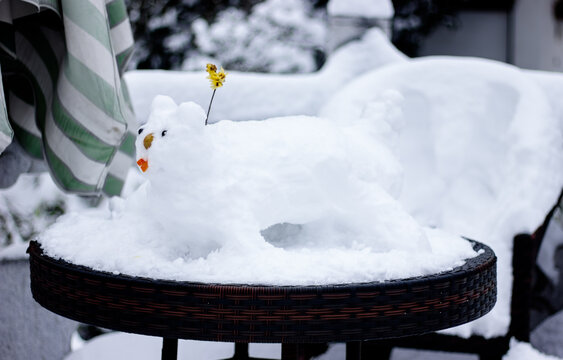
(64, 99)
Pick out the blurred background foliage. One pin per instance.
(282, 36)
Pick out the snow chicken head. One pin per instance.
(167, 131)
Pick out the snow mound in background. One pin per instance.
(212, 192)
(481, 149)
(248, 96)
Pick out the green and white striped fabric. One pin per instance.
(65, 97)
(6, 132)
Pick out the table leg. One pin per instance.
(169, 349)
(241, 351)
(293, 352)
(354, 350)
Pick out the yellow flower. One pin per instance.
(217, 78)
(222, 74)
(211, 68)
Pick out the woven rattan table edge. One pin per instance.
(472, 267)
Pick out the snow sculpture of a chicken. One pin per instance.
(221, 185)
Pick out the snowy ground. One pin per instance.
(127, 346)
(117, 346)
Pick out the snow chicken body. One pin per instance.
(229, 181)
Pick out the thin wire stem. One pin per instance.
(209, 108)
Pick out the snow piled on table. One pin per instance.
(213, 191)
(479, 143)
(379, 9)
(482, 153)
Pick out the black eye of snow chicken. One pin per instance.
(164, 132)
(140, 131)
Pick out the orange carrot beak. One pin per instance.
(143, 164)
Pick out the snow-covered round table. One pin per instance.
(290, 315)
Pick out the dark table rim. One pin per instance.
(266, 313)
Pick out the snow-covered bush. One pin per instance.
(259, 35)
(31, 205)
(162, 28)
(282, 36)
(271, 35)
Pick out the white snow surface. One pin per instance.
(481, 149)
(212, 190)
(524, 351)
(15, 251)
(118, 345)
(378, 9)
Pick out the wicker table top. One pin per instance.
(277, 314)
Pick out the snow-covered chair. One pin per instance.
(482, 153)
